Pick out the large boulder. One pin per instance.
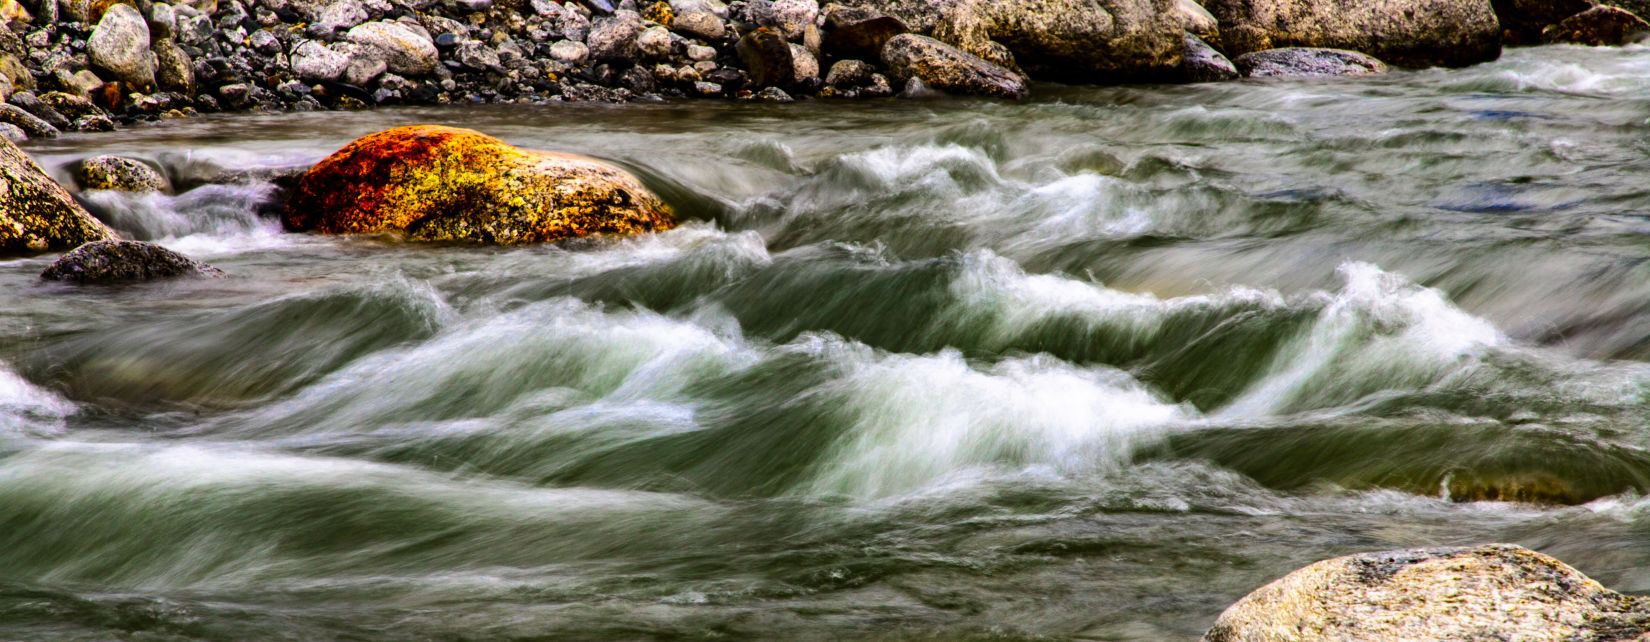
(1069, 40)
(120, 44)
(1600, 26)
(1307, 62)
(432, 183)
(37, 214)
(407, 50)
(1407, 33)
(948, 69)
(1494, 592)
(124, 261)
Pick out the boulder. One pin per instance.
(1601, 26)
(1493, 592)
(948, 69)
(1306, 62)
(37, 214)
(366, 64)
(570, 52)
(124, 261)
(407, 50)
(1408, 33)
(31, 124)
(791, 17)
(767, 57)
(317, 63)
(849, 73)
(13, 133)
(700, 24)
(803, 64)
(174, 71)
(1196, 20)
(1523, 20)
(1203, 64)
(116, 173)
(862, 39)
(613, 39)
(86, 11)
(432, 183)
(120, 44)
(655, 43)
(13, 68)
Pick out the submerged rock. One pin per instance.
(448, 184)
(1307, 61)
(948, 69)
(37, 214)
(1494, 592)
(1409, 33)
(121, 261)
(1599, 26)
(116, 173)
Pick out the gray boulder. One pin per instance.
(121, 174)
(1408, 33)
(948, 69)
(120, 45)
(1203, 64)
(315, 62)
(792, 17)
(1494, 592)
(1307, 61)
(570, 52)
(366, 64)
(849, 73)
(613, 39)
(700, 24)
(37, 214)
(124, 261)
(407, 50)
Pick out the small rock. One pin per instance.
(792, 17)
(804, 63)
(1196, 20)
(1601, 26)
(174, 71)
(700, 24)
(1307, 62)
(773, 95)
(767, 57)
(340, 16)
(116, 173)
(863, 40)
(613, 39)
(124, 261)
(570, 52)
(315, 62)
(948, 69)
(37, 214)
(237, 95)
(655, 43)
(849, 73)
(701, 53)
(366, 64)
(264, 42)
(713, 7)
(33, 105)
(31, 124)
(1203, 64)
(13, 133)
(407, 51)
(120, 44)
(93, 123)
(477, 56)
(707, 88)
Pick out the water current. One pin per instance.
(1090, 366)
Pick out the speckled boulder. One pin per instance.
(948, 69)
(116, 173)
(37, 214)
(431, 183)
(1494, 592)
(124, 261)
(1407, 33)
(1599, 26)
(1307, 62)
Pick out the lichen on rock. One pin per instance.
(433, 183)
(37, 214)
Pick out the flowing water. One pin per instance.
(1091, 366)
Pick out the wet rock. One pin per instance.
(772, 95)
(767, 57)
(315, 62)
(948, 69)
(863, 39)
(1307, 61)
(446, 184)
(1408, 33)
(29, 123)
(570, 52)
(1494, 592)
(33, 105)
(116, 173)
(700, 24)
(1600, 26)
(120, 44)
(849, 73)
(174, 70)
(37, 214)
(124, 261)
(1523, 20)
(1203, 64)
(407, 51)
(613, 39)
(72, 106)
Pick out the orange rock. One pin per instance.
(433, 183)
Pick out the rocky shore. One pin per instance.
(91, 65)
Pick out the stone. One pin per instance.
(366, 64)
(1492, 592)
(948, 69)
(805, 65)
(120, 44)
(73, 106)
(13, 69)
(13, 11)
(1407, 33)
(432, 183)
(407, 51)
(1522, 21)
(121, 174)
(163, 21)
(174, 70)
(31, 124)
(1601, 26)
(849, 73)
(1203, 64)
(1196, 20)
(1307, 61)
(84, 82)
(93, 123)
(477, 56)
(701, 53)
(613, 39)
(792, 17)
(87, 11)
(570, 52)
(37, 214)
(123, 262)
(772, 95)
(340, 16)
(700, 24)
(655, 43)
(264, 42)
(13, 133)
(317, 63)
(864, 39)
(33, 105)
(767, 57)
(714, 7)
(237, 95)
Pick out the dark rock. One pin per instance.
(93, 123)
(70, 105)
(264, 42)
(37, 214)
(124, 261)
(767, 58)
(33, 105)
(862, 40)
(447, 40)
(1600, 26)
(948, 69)
(1409, 33)
(237, 95)
(1203, 64)
(30, 123)
(838, 16)
(1307, 61)
(772, 95)
(1523, 20)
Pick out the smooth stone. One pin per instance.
(406, 50)
(1307, 62)
(700, 24)
(804, 64)
(655, 43)
(13, 133)
(792, 17)
(1203, 64)
(948, 69)
(116, 173)
(37, 214)
(316, 63)
(120, 44)
(124, 261)
(849, 73)
(570, 52)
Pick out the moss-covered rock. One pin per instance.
(124, 261)
(37, 214)
(1494, 592)
(948, 69)
(434, 183)
(1407, 33)
(117, 173)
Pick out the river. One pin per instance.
(1090, 366)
